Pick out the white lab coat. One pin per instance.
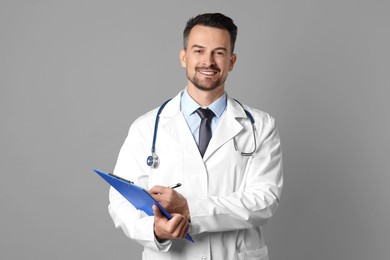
(230, 196)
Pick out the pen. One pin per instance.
(177, 185)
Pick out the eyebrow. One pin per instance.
(197, 46)
(202, 47)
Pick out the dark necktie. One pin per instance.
(205, 128)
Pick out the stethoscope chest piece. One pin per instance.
(153, 161)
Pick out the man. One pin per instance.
(231, 183)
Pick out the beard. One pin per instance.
(205, 84)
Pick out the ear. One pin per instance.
(232, 61)
(183, 60)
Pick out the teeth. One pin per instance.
(208, 72)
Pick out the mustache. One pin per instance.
(212, 67)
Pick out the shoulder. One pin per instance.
(146, 118)
(260, 117)
(168, 109)
(144, 123)
(264, 123)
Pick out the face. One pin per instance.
(207, 58)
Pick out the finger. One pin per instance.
(180, 228)
(157, 189)
(156, 196)
(176, 219)
(157, 213)
(157, 193)
(185, 229)
(181, 225)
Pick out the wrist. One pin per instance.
(157, 237)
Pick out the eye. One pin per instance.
(220, 53)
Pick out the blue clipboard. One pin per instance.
(136, 195)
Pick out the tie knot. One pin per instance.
(205, 113)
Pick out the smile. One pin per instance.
(207, 72)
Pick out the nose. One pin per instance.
(208, 59)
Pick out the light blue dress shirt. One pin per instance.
(189, 106)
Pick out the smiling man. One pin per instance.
(207, 57)
(227, 157)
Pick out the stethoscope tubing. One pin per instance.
(153, 160)
(156, 125)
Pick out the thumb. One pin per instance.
(157, 212)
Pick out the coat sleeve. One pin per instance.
(257, 201)
(130, 165)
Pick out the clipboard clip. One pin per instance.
(120, 178)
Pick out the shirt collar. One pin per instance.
(189, 106)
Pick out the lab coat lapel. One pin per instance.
(174, 124)
(227, 128)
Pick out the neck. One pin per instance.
(205, 98)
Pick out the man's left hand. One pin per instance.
(171, 200)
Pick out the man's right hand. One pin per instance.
(175, 228)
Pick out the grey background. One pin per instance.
(75, 74)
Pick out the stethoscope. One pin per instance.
(153, 160)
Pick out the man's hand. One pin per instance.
(171, 200)
(175, 228)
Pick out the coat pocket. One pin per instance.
(256, 254)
